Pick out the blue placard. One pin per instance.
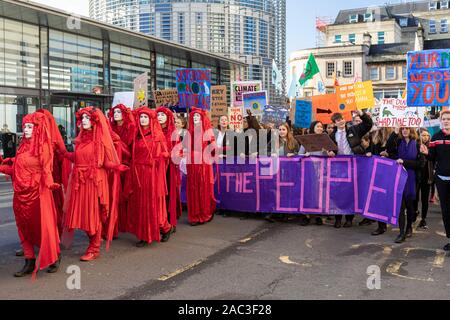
(303, 114)
(429, 78)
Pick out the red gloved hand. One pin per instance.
(54, 186)
(122, 168)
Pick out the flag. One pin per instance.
(292, 93)
(277, 78)
(320, 87)
(311, 70)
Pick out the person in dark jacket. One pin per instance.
(348, 141)
(406, 150)
(439, 152)
(425, 183)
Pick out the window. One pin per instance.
(433, 5)
(404, 72)
(374, 73)
(337, 38)
(381, 37)
(390, 73)
(403, 22)
(353, 18)
(444, 26)
(348, 68)
(432, 26)
(331, 69)
(444, 4)
(368, 17)
(352, 38)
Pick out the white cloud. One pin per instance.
(80, 7)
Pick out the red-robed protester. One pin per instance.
(146, 190)
(201, 148)
(91, 201)
(123, 124)
(33, 203)
(60, 169)
(173, 176)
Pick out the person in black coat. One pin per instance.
(349, 142)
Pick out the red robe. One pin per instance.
(147, 214)
(89, 195)
(33, 204)
(201, 201)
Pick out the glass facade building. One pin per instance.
(47, 61)
(252, 31)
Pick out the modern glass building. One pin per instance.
(252, 31)
(51, 60)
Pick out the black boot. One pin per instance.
(30, 264)
(379, 232)
(54, 267)
(400, 239)
(304, 221)
(19, 253)
(166, 236)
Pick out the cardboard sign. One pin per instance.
(194, 88)
(326, 105)
(165, 97)
(219, 105)
(303, 114)
(428, 78)
(275, 114)
(236, 118)
(239, 88)
(255, 101)
(395, 113)
(317, 142)
(141, 91)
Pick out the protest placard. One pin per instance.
(364, 98)
(219, 106)
(194, 88)
(141, 91)
(238, 88)
(125, 98)
(276, 115)
(324, 106)
(235, 117)
(317, 142)
(395, 113)
(255, 101)
(165, 97)
(303, 113)
(428, 78)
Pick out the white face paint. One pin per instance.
(197, 118)
(28, 130)
(118, 115)
(144, 120)
(162, 117)
(86, 122)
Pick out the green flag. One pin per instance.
(311, 70)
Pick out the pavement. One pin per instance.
(235, 259)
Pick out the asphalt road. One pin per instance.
(236, 259)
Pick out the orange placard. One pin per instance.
(326, 105)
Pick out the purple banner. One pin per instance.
(372, 187)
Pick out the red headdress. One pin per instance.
(206, 126)
(170, 127)
(127, 130)
(57, 139)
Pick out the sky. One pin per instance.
(301, 16)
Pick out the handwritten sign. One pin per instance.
(275, 114)
(303, 113)
(219, 106)
(354, 96)
(395, 113)
(255, 101)
(239, 88)
(194, 88)
(236, 118)
(164, 97)
(428, 78)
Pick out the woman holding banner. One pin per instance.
(439, 151)
(406, 150)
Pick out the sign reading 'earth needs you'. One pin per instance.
(194, 88)
(429, 78)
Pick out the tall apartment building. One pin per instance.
(372, 43)
(251, 31)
